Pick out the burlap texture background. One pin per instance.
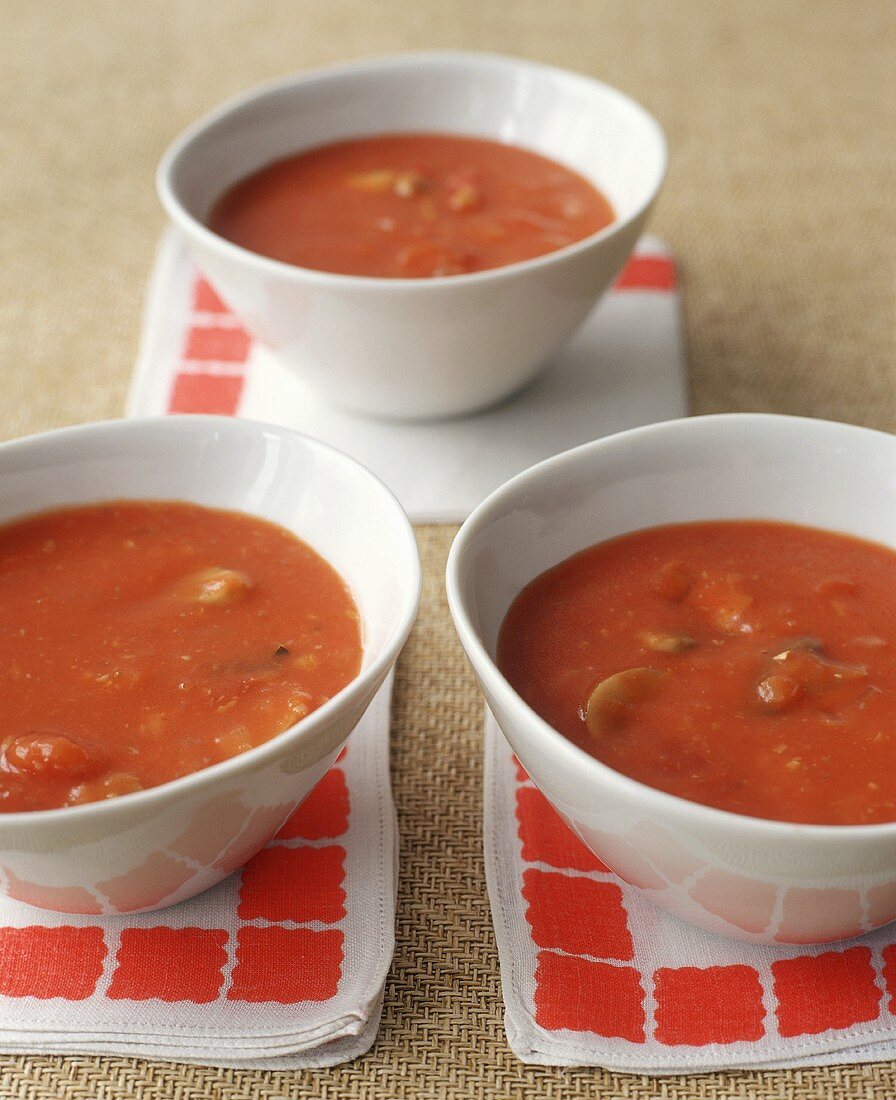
(779, 205)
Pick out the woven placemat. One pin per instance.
(779, 208)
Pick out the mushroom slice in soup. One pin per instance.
(613, 698)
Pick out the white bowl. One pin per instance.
(119, 854)
(754, 879)
(418, 348)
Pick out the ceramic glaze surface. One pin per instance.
(741, 876)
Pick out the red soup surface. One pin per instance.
(140, 641)
(745, 665)
(410, 206)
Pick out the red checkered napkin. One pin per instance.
(594, 974)
(281, 965)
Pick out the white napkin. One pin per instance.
(593, 974)
(281, 966)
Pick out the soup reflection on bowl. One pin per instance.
(425, 278)
(686, 633)
(198, 612)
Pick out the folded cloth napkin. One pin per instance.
(593, 974)
(624, 367)
(282, 965)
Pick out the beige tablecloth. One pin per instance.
(779, 205)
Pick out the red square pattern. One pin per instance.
(218, 394)
(826, 992)
(169, 964)
(889, 957)
(577, 915)
(205, 298)
(547, 838)
(647, 273)
(589, 996)
(51, 962)
(324, 813)
(286, 965)
(218, 344)
(297, 884)
(721, 1004)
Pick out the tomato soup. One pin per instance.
(410, 206)
(140, 641)
(745, 665)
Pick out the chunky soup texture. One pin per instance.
(746, 665)
(140, 641)
(410, 206)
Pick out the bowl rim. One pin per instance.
(305, 727)
(552, 740)
(192, 226)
